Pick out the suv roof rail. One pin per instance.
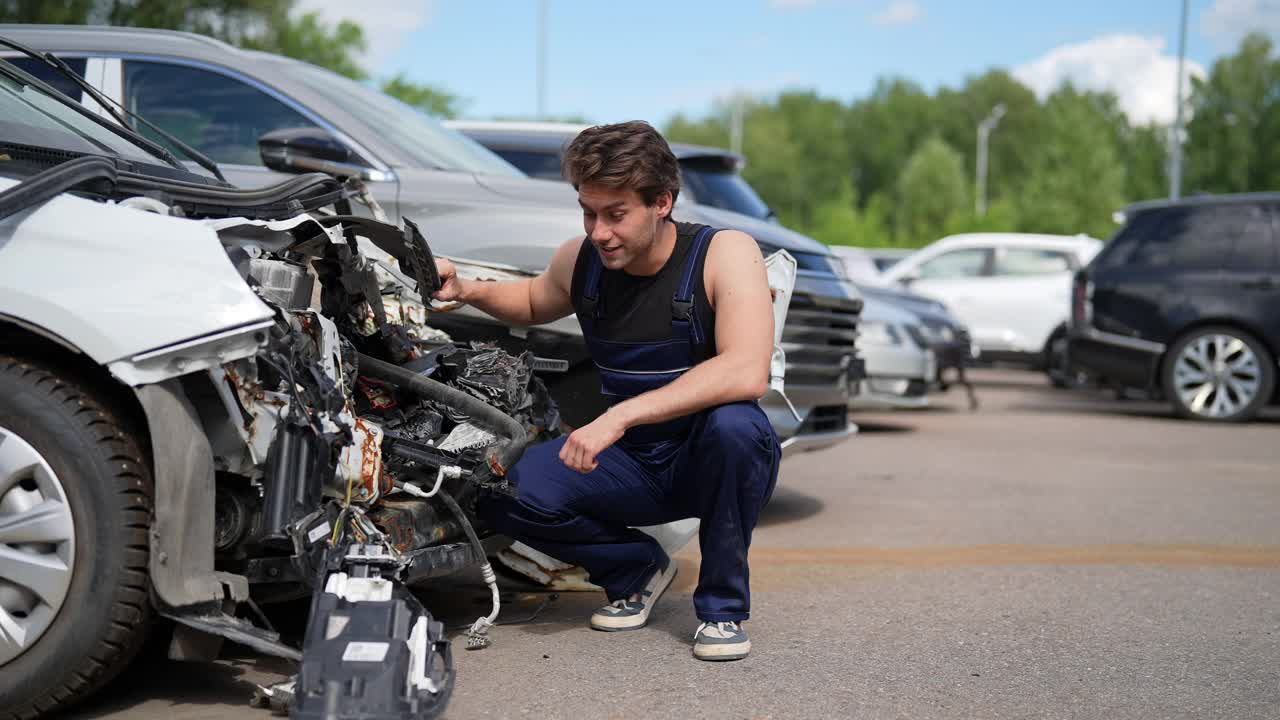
(1202, 198)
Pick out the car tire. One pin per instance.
(1218, 374)
(78, 482)
(1055, 361)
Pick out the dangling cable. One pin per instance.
(478, 635)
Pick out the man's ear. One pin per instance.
(663, 204)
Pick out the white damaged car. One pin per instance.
(213, 398)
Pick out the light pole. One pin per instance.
(1175, 139)
(735, 123)
(541, 64)
(984, 131)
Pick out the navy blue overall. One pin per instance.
(719, 465)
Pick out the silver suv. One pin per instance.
(470, 203)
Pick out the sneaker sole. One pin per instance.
(736, 651)
(605, 623)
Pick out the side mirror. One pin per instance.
(310, 149)
(908, 277)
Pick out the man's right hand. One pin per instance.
(450, 284)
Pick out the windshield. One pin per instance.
(428, 142)
(30, 116)
(726, 190)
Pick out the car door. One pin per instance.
(1251, 276)
(957, 278)
(222, 114)
(1029, 294)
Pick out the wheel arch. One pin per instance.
(35, 343)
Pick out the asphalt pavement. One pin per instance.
(1054, 554)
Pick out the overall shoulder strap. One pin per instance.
(683, 317)
(591, 284)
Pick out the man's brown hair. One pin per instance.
(630, 155)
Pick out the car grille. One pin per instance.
(818, 339)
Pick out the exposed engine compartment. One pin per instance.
(350, 451)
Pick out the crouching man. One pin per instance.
(678, 319)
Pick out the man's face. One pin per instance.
(619, 224)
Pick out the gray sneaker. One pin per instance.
(720, 641)
(632, 613)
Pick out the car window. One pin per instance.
(1188, 238)
(1253, 244)
(544, 165)
(1031, 261)
(727, 190)
(969, 262)
(52, 77)
(32, 117)
(1116, 251)
(218, 115)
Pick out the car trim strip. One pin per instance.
(1124, 341)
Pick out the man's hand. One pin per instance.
(584, 444)
(450, 283)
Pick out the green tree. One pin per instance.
(815, 127)
(882, 130)
(69, 12)
(424, 97)
(1001, 216)
(307, 38)
(960, 111)
(1145, 153)
(1077, 179)
(712, 130)
(931, 189)
(839, 220)
(257, 24)
(1233, 137)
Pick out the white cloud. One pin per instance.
(1135, 68)
(386, 23)
(898, 12)
(1226, 21)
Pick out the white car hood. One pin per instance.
(115, 281)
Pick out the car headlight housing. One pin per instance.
(874, 333)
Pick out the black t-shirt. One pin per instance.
(638, 308)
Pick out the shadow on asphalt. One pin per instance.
(879, 426)
(183, 684)
(788, 505)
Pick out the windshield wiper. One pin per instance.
(57, 64)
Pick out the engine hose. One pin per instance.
(501, 458)
(477, 636)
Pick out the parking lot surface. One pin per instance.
(1053, 554)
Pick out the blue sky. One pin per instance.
(651, 59)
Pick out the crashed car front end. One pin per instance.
(308, 432)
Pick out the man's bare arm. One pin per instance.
(537, 300)
(739, 287)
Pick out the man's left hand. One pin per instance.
(584, 444)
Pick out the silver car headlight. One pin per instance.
(838, 267)
(874, 333)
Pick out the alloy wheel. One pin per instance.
(1216, 375)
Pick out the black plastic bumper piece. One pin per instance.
(356, 662)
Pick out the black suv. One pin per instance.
(1185, 302)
